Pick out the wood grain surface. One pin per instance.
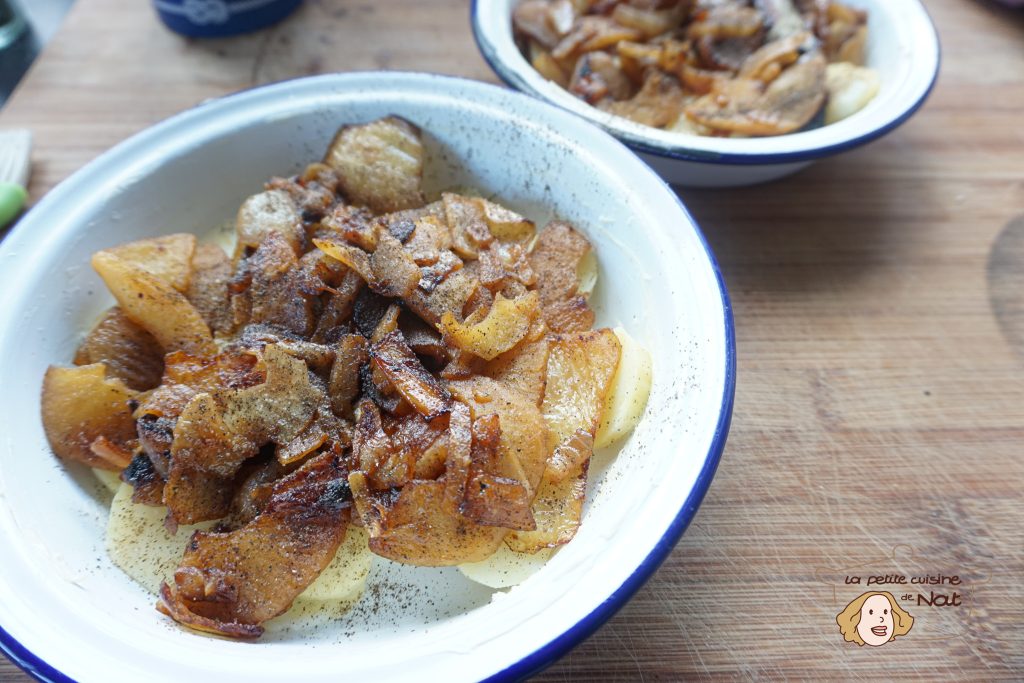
(879, 301)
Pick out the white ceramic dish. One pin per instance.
(902, 46)
(66, 613)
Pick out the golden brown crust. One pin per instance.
(208, 289)
(380, 164)
(229, 583)
(147, 483)
(392, 356)
(343, 385)
(79, 406)
(130, 353)
(490, 498)
(154, 305)
(555, 259)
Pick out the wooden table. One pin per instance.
(879, 300)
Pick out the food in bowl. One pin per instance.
(722, 68)
(369, 372)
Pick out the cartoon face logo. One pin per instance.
(874, 619)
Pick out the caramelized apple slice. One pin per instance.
(230, 583)
(381, 164)
(166, 258)
(155, 305)
(81, 405)
(131, 354)
(490, 335)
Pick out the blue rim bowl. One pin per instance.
(178, 151)
(903, 46)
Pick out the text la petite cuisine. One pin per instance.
(928, 580)
(933, 600)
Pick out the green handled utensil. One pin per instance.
(15, 153)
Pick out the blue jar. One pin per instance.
(218, 18)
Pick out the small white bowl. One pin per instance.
(902, 46)
(66, 613)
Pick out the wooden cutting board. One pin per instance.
(879, 301)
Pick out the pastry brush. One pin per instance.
(15, 152)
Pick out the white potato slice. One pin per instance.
(224, 236)
(629, 392)
(110, 480)
(684, 125)
(345, 577)
(850, 88)
(138, 543)
(506, 568)
(466, 191)
(586, 273)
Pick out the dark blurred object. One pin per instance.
(218, 18)
(18, 47)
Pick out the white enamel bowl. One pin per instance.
(67, 613)
(902, 46)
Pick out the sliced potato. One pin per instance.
(586, 274)
(505, 567)
(281, 408)
(205, 455)
(111, 480)
(650, 22)
(452, 295)
(230, 582)
(579, 375)
(850, 89)
(345, 577)
(393, 271)
(532, 18)
(223, 236)
(430, 239)
(523, 368)
(138, 542)
(601, 33)
(167, 258)
(627, 397)
(159, 308)
(80, 405)
(658, 103)
(504, 326)
(381, 164)
(683, 124)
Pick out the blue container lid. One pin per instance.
(218, 18)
